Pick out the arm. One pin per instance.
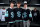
(6, 15)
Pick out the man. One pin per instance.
(27, 16)
(18, 14)
(35, 15)
(10, 14)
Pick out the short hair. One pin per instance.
(34, 8)
(18, 2)
(12, 2)
(25, 3)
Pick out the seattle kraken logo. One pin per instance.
(24, 14)
(18, 13)
(12, 14)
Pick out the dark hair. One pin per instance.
(34, 8)
(18, 2)
(12, 2)
(25, 3)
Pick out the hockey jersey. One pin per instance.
(10, 15)
(35, 15)
(27, 15)
(0, 14)
(18, 13)
(3, 14)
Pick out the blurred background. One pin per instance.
(31, 5)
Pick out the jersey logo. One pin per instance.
(19, 14)
(12, 14)
(24, 14)
(35, 14)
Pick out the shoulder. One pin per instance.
(15, 9)
(28, 10)
(8, 9)
(37, 10)
(32, 10)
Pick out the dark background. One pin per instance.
(29, 2)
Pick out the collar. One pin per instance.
(10, 8)
(25, 8)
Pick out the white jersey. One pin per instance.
(3, 15)
(0, 14)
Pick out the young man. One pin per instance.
(26, 16)
(18, 14)
(35, 15)
(10, 14)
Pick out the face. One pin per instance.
(25, 6)
(11, 5)
(18, 5)
(35, 9)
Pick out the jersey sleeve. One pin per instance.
(6, 16)
(30, 16)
